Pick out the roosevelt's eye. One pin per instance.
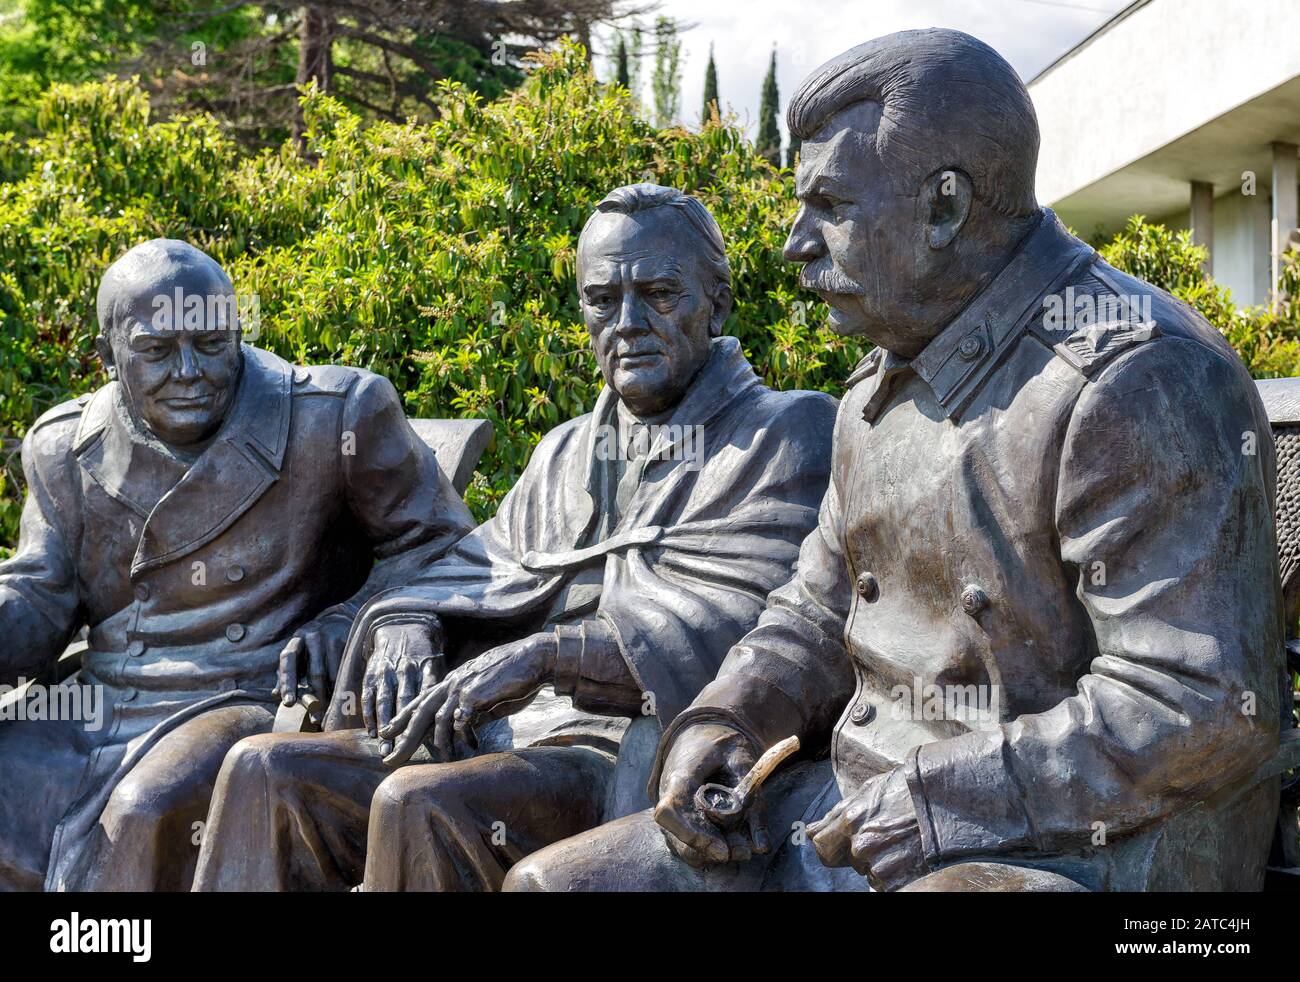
(600, 300)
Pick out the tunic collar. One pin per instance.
(964, 353)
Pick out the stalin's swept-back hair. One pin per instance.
(633, 198)
(947, 100)
(153, 268)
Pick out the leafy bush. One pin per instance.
(1268, 341)
(441, 255)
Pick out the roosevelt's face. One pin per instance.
(647, 300)
(180, 372)
(860, 234)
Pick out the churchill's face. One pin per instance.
(176, 350)
(650, 304)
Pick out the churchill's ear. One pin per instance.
(105, 351)
(947, 195)
(721, 310)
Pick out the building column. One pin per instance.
(1285, 216)
(1203, 221)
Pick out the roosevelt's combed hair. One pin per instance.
(947, 100)
(146, 269)
(633, 198)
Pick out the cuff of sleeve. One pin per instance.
(929, 841)
(689, 717)
(569, 640)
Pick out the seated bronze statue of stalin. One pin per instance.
(637, 547)
(208, 514)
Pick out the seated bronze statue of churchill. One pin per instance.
(211, 516)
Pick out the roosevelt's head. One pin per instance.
(916, 180)
(655, 288)
(169, 332)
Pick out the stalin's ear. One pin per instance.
(947, 195)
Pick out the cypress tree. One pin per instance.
(710, 89)
(620, 62)
(769, 137)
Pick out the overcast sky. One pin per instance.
(1029, 33)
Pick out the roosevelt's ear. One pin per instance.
(948, 195)
(721, 310)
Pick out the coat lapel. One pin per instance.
(232, 474)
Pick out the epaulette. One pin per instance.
(865, 368)
(335, 380)
(1090, 347)
(72, 409)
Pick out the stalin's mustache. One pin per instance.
(822, 277)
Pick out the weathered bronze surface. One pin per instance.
(639, 544)
(1051, 499)
(213, 516)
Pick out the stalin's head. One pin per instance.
(655, 289)
(170, 334)
(916, 180)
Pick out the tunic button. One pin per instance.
(971, 347)
(135, 649)
(235, 573)
(862, 713)
(126, 695)
(142, 592)
(974, 600)
(235, 632)
(868, 588)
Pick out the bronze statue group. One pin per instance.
(1016, 594)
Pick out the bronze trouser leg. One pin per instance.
(462, 825)
(993, 878)
(290, 811)
(148, 835)
(41, 765)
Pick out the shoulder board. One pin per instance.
(64, 410)
(324, 379)
(865, 368)
(1090, 347)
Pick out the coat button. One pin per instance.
(235, 632)
(868, 588)
(235, 573)
(142, 592)
(862, 713)
(135, 649)
(974, 601)
(126, 695)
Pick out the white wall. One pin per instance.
(1167, 68)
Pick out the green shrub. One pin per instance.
(441, 255)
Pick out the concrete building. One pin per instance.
(1187, 112)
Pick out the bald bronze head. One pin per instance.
(170, 334)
